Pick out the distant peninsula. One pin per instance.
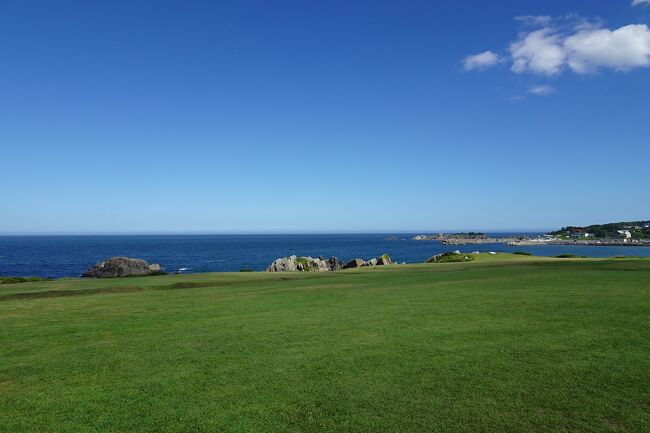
(635, 233)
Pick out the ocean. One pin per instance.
(69, 256)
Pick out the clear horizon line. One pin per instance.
(244, 233)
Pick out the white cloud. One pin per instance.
(622, 49)
(481, 60)
(539, 51)
(640, 2)
(541, 90)
(571, 43)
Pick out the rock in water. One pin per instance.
(356, 263)
(121, 267)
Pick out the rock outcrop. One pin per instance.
(335, 264)
(303, 264)
(384, 260)
(320, 264)
(285, 264)
(381, 261)
(356, 263)
(122, 267)
(371, 262)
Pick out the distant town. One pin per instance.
(635, 233)
(627, 231)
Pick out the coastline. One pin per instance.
(518, 241)
(70, 256)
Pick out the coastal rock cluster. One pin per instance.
(320, 264)
(122, 267)
(304, 264)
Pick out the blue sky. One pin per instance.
(255, 116)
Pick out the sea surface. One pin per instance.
(69, 256)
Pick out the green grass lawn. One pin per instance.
(500, 344)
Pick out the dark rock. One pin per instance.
(335, 264)
(356, 263)
(122, 267)
(384, 260)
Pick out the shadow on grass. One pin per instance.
(62, 293)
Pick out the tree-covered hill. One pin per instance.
(638, 229)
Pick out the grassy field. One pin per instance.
(501, 344)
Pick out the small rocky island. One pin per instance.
(467, 238)
(320, 264)
(123, 267)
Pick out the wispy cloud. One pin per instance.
(535, 20)
(542, 90)
(480, 61)
(539, 90)
(640, 2)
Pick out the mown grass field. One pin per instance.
(500, 344)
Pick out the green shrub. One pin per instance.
(522, 253)
(245, 270)
(451, 258)
(567, 256)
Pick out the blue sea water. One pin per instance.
(69, 256)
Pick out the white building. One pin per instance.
(624, 234)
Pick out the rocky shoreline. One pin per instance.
(117, 267)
